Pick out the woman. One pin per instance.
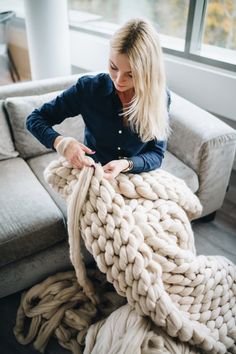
(125, 112)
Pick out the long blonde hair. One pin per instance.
(147, 113)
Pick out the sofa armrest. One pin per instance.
(207, 145)
(39, 87)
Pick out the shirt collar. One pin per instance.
(109, 87)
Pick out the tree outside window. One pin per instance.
(220, 24)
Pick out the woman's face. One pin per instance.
(120, 71)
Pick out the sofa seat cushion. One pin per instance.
(34, 268)
(175, 166)
(30, 220)
(38, 165)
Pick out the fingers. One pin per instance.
(76, 162)
(110, 170)
(81, 161)
(76, 156)
(108, 176)
(87, 150)
(109, 166)
(88, 162)
(113, 168)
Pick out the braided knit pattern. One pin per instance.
(138, 231)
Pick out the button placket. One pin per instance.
(120, 140)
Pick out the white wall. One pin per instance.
(88, 51)
(211, 88)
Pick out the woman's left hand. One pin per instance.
(114, 167)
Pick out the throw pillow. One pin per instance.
(19, 108)
(7, 149)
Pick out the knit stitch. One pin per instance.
(138, 230)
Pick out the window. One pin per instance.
(219, 37)
(211, 33)
(200, 30)
(220, 26)
(168, 17)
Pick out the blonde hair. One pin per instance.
(147, 113)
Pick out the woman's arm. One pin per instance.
(151, 158)
(41, 121)
(154, 152)
(74, 151)
(147, 161)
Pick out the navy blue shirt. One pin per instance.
(95, 98)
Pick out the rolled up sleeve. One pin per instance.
(41, 120)
(151, 158)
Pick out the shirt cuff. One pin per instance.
(138, 164)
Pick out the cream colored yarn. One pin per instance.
(138, 230)
(58, 307)
(126, 332)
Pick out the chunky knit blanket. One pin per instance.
(137, 227)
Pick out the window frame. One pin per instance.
(193, 38)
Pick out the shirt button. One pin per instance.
(118, 148)
(120, 131)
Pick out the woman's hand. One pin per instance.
(114, 167)
(74, 152)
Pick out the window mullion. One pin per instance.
(195, 25)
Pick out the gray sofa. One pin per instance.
(33, 235)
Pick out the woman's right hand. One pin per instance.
(74, 152)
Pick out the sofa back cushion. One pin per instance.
(7, 149)
(19, 108)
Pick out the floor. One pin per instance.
(219, 237)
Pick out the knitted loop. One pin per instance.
(137, 228)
